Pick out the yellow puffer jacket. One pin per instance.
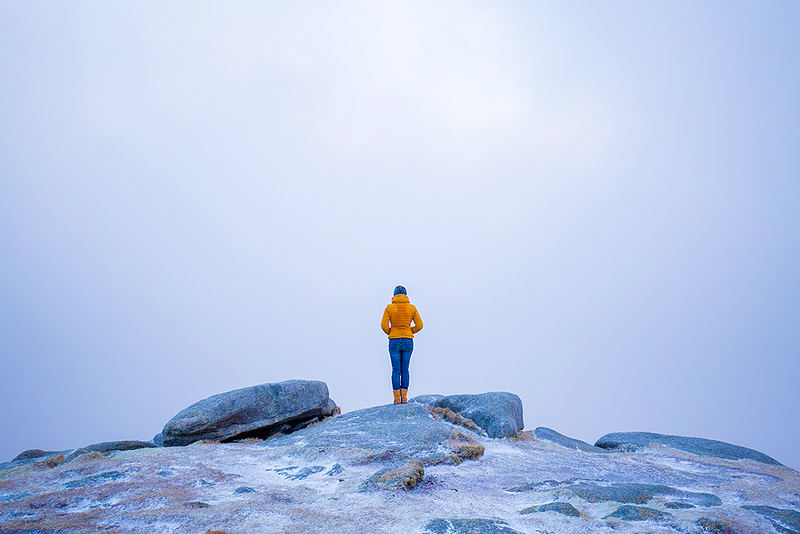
(398, 316)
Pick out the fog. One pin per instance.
(593, 206)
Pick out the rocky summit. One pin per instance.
(413, 469)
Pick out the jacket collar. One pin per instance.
(400, 298)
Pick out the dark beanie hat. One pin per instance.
(400, 290)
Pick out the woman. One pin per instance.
(397, 319)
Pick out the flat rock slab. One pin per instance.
(254, 411)
(634, 441)
(550, 435)
(469, 526)
(499, 413)
(392, 433)
(621, 492)
(632, 493)
(564, 508)
(787, 521)
(629, 512)
(124, 445)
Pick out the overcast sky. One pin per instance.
(594, 205)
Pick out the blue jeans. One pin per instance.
(400, 350)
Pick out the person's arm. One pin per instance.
(385, 321)
(417, 322)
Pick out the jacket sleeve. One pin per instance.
(385, 321)
(417, 322)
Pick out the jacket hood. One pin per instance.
(400, 298)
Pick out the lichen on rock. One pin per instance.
(463, 447)
(405, 477)
(499, 413)
(456, 418)
(563, 508)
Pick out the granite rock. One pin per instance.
(550, 435)
(784, 520)
(621, 492)
(629, 512)
(564, 508)
(330, 477)
(256, 411)
(405, 477)
(498, 413)
(392, 433)
(430, 400)
(468, 526)
(635, 441)
(32, 454)
(125, 445)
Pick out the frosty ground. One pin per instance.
(319, 480)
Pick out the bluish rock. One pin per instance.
(129, 445)
(785, 521)
(256, 411)
(564, 508)
(499, 413)
(468, 526)
(430, 400)
(77, 452)
(633, 493)
(15, 497)
(678, 505)
(715, 526)
(634, 441)
(158, 440)
(621, 492)
(95, 480)
(303, 473)
(548, 434)
(628, 512)
(335, 470)
(32, 454)
(393, 433)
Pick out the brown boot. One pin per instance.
(397, 396)
(403, 395)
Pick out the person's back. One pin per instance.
(398, 316)
(397, 324)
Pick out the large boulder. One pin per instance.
(393, 433)
(256, 411)
(634, 441)
(499, 413)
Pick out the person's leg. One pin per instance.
(405, 360)
(395, 355)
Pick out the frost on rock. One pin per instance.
(635, 441)
(468, 526)
(256, 411)
(405, 477)
(391, 433)
(498, 413)
(558, 507)
(396, 469)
